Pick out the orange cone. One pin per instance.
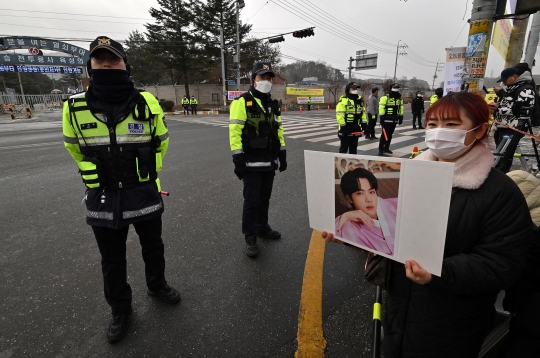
(414, 152)
(328, 109)
(318, 108)
(301, 109)
(284, 108)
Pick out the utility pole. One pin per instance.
(397, 54)
(534, 36)
(223, 78)
(516, 42)
(435, 75)
(239, 5)
(350, 68)
(480, 29)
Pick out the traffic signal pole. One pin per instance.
(223, 88)
(480, 29)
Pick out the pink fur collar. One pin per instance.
(471, 170)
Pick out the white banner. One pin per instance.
(453, 69)
(303, 100)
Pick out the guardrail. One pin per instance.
(37, 102)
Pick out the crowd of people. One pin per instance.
(117, 137)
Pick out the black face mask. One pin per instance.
(111, 85)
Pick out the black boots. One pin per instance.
(267, 233)
(251, 245)
(118, 327)
(167, 294)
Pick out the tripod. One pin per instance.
(506, 150)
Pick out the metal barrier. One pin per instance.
(37, 102)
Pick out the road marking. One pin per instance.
(310, 129)
(310, 134)
(310, 336)
(36, 145)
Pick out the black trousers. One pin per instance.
(186, 108)
(388, 128)
(257, 191)
(348, 144)
(370, 131)
(193, 109)
(417, 115)
(112, 246)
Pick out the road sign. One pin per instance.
(42, 60)
(231, 83)
(33, 50)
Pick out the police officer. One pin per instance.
(194, 104)
(435, 97)
(390, 113)
(351, 119)
(118, 139)
(256, 140)
(185, 104)
(418, 108)
(309, 103)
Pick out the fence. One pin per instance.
(38, 102)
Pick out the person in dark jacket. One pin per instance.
(487, 238)
(118, 139)
(417, 108)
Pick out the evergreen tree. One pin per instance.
(70, 80)
(173, 38)
(33, 83)
(144, 59)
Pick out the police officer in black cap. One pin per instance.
(118, 139)
(351, 118)
(391, 114)
(256, 140)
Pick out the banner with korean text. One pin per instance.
(453, 69)
(295, 91)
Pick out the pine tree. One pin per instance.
(146, 64)
(172, 37)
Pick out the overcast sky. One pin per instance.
(342, 27)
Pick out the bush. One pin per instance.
(167, 106)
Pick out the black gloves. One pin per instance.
(239, 161)
(282, 160)
(400, 119)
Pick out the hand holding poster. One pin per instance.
(374, 204)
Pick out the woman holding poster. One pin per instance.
(372, 223)
(487, 239)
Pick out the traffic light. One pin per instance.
(303, 33)
(276, 39)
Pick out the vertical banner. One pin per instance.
(501, 36)
(453, 69)
(476, 53)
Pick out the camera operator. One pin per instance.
(516, 94)
(515, 101)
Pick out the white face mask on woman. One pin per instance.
(447, 143)
(263, 86)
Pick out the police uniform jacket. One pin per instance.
(434, 98)
(193, 101)
(350, 113)
(391, 107)
(119, 149)
(185, 101)
(255, 131)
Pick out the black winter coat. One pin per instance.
(417, 105)
(487, 238)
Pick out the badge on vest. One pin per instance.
(88, 125)
(135, 128)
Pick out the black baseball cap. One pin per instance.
(350, 85)
(260, 68)
(508, 72)
(104, 42)
(395, 85)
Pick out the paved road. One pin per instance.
(232, 306)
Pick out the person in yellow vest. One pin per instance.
(118, 139)
(309, 103)
(185, 104)
(437, 96)
(351, 118)
(390, 114)
(256, 140)
(194, 104)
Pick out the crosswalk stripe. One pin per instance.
(310, 134)
(310, 129)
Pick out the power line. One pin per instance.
(66, 13)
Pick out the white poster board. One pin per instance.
(423, 199)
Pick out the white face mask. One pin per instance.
(395, 89)
(447, 143)
(354, 92)
(263, 86)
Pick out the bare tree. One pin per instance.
(365, 87)
(336, 84)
